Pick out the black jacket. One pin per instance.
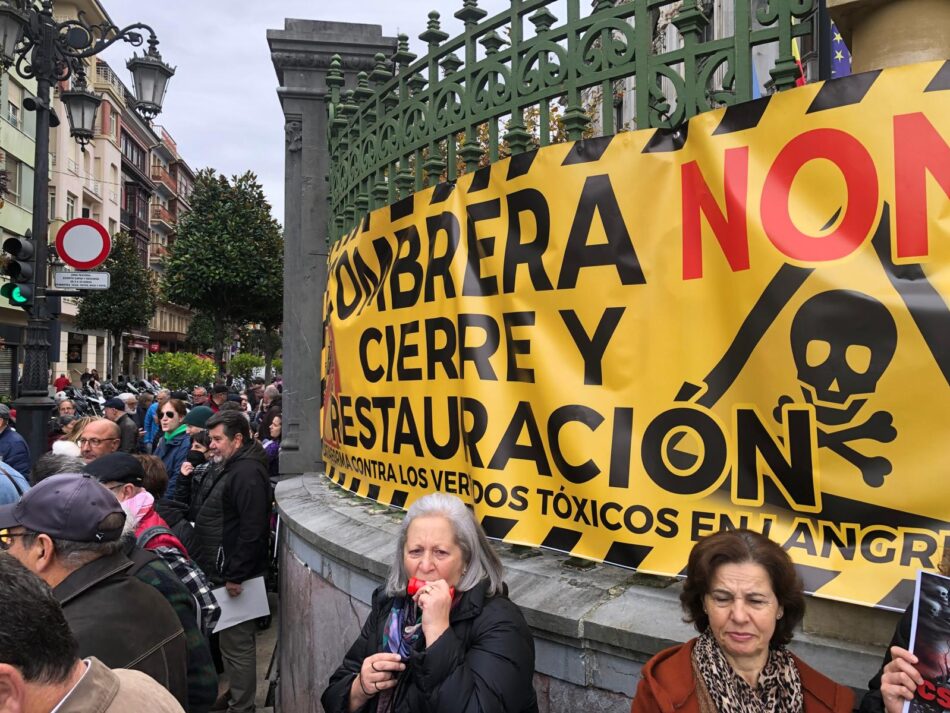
(872, 702)
(125, 623)
(232, 517)
(129, 433)
(484, 662)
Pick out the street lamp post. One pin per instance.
(40, 48)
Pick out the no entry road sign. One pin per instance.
(83, 243)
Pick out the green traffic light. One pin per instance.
(15, 294)
(17, 297)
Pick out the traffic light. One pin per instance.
(19, 268)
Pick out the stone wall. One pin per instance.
(594, 625)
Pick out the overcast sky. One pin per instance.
(221, 106)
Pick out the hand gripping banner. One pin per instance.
(616, 346)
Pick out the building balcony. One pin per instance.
(161, 215)
(106, 77)
(164, 179)
(132, 223)
(93, 186)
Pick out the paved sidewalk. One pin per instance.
(266, 641)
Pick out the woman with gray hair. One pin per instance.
(442, 635)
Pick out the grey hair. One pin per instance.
(53, 464)
(479, 560)
(72, 554)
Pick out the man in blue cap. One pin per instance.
(67, 531)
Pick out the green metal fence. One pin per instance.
(526, 78)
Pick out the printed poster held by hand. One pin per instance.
(251, 603)
(930, 642)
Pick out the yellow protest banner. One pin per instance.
(616, 346)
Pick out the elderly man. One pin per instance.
(13, 449)
(40, 668)
(67, 531)
(98, 438)
(66, 407)
(115, 409)
(233, 510)
(219, 395)
(199, 397)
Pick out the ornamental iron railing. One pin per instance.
(519, 80)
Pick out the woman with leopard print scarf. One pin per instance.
(744, 597)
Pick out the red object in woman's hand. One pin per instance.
(416, 584)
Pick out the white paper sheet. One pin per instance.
(251, 603)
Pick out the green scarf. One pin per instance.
(180, 429)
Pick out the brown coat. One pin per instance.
(668, 685)
(103, 690)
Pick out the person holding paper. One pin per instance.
(231, 528)
(442, 636)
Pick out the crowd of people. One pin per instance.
(152, 506)
(125, 526)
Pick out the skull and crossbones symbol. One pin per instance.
(842, 342)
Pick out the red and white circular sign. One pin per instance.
(83, 243)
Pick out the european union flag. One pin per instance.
(840, 56)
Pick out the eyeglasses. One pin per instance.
(6, 538)
(94, 442)
(114, 487)
(169, 414)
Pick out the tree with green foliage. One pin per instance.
(130, 301)
(180, 370)
(200, 336)
(227, 260)
(243, 364)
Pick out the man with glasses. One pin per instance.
(67, 531)
(199, 397)
(98, 438)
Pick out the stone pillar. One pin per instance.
(888, 33)
(301, 54)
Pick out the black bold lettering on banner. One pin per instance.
(370, 334)
(518, 346)
(909, 552)
(610, 507)
(384, 256)
(522, 421)
(440, 267)
(444, 354)
(390, 350)
(367, 437)
(598, 195)
(666, 523)
(561, 417)
(471, 436)
(442, 451)
(712, 466)
(369, 281)
(408, 351)
(517, 253)
(478, 249)
(384, 404)
(845, 544)
(802, 538)
(406, 433)
(519, 499)
(478, 355)
(334, 420)
(620, 445)
(406, 266)
(867, 545)
(795, 476)
(592, 348)
(343, 309)
(346, 421)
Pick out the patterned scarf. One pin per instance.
(779, 688)
(402, 631)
